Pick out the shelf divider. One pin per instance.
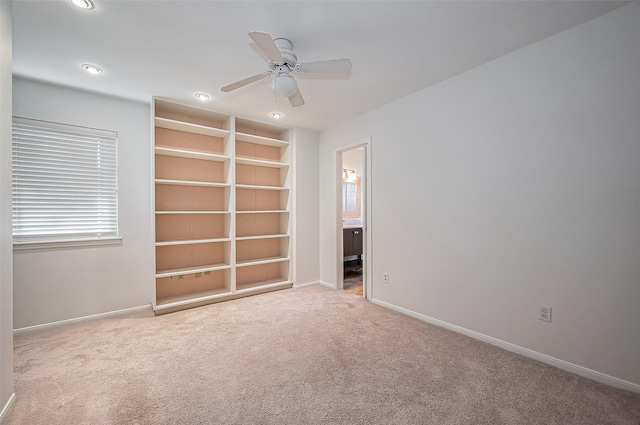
(170, 124)
(190, 183)
(191, 270)
(261, 163)
(191, 241)
(183, 153)
(258, 261)
(267, 141)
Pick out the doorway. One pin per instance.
(353, 219)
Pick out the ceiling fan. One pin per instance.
(282, 62)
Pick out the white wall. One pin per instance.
(58, 284)
(306, 242)
(6, 243)
(509, 186)
(53, 285)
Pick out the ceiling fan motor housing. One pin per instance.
(286, 50)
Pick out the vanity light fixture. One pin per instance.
(276, 115)
(202, 97)
(91, 69)
(83, 4)
(349, 175)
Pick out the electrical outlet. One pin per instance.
(385, 277)
(545, 313)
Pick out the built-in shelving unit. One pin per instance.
(222, 207)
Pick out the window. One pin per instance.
(64, 182)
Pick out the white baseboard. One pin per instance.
(7, 406)
(303, 285)
(328, 285)
(561, 364)
(84, 318)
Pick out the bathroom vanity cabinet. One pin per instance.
(352, 241)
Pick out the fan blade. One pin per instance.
(245, 82)
(296, 99)
(335, 66)
(266, 44)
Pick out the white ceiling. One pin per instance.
(174, 49)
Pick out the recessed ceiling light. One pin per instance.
(83, 4)
(91, 69)
(276, 115)
(202, 96)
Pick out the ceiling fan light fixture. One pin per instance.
(203, 97)
(276, 115)
(284, 85)
(83, 4)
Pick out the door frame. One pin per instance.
(367, 230)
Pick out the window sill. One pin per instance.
(74, 243)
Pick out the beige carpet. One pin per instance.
(298, 356)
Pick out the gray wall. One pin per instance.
(512, 185)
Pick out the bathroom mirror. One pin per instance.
(351, 199)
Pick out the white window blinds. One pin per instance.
(64, 182)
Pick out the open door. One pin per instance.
(353, 224)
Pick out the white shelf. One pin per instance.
(191, 270)
(190, 128)
(269, 189)
(248, 238)
(191, 183)
(192, 241)
(262, 212)
(257, 187)
(190, 154)
(264, 284)
(250, 138)
(261, 163)
(195, 297)
(192, 212)
(258, 261)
